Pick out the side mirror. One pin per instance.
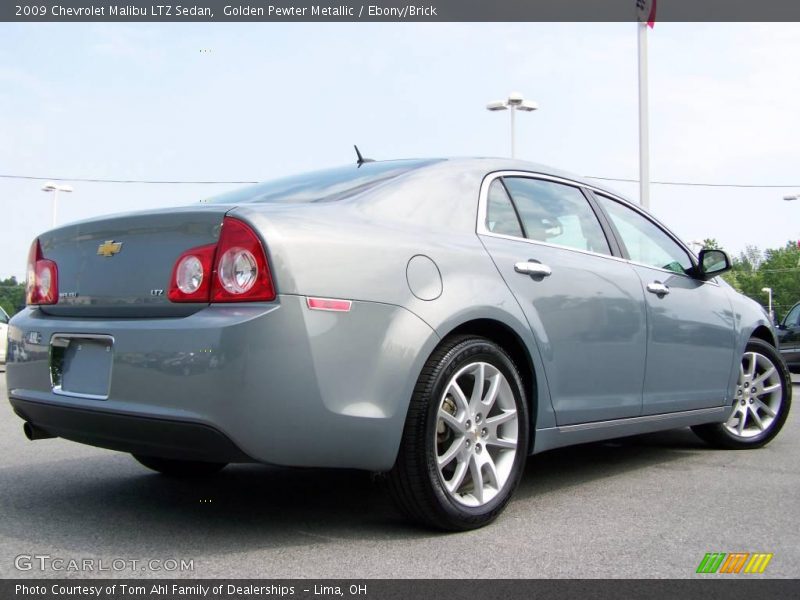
(712, 263)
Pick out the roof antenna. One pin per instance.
(361, 160)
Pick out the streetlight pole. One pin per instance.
(644, 121)
(768, 290)
(514, 102)
(513, 110)
(55, 188)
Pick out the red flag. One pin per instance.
(646, 10)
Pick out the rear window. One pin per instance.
(321, 186)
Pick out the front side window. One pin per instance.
(557, 214)
(793, 318)
(645, 242)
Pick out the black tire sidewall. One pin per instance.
(475, 350)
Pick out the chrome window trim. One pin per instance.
(549, 245)
(481, 228)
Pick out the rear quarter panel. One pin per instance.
(360, 250)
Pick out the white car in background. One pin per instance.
(3, 335)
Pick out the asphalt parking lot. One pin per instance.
(648, 506)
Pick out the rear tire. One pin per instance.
(761, 402)
(179, 468)
(465, 439)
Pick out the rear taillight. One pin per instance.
(242, 273)
(41, 282)
(235, 269)
(191, 275)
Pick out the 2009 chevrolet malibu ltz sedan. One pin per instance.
(436, 320)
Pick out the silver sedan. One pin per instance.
(435, 320)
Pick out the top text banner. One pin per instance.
(392, 10)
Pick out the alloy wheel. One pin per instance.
(759, 394)
(476, 434)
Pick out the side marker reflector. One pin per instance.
(329, 304)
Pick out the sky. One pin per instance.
(230, 102)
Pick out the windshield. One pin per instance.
(321, 186)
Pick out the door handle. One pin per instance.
(658, 288)
(535, 269)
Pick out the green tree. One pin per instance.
(780, 271)
(777, 268)
(12, 295)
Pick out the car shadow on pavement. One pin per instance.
(108, 504)
(555, 470)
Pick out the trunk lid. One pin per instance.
(120, 266)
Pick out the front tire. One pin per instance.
(179, 468)
(761, 403)
(465, 438)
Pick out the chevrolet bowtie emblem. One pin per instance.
(109, 248)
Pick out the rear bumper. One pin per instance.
(137, 435)
(268, 382)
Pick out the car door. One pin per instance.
(690, 340)
(789, 338)
(585, 307)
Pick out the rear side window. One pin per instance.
(645, 242)
(500, 214)
(557, 214)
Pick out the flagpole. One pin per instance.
(644, 132)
